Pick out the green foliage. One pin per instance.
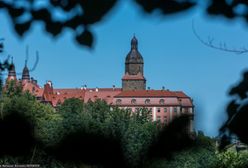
(12, 88)
(137, 140)
(43, 117)
(232, 159)
(135, 131)
(201, 154)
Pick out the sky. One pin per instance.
(173, 56)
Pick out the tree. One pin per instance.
(82, 15)
(236, 122)
(232, 159)
(200, 154)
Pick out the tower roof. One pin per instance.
(134, 56)
(25, 72)
(12, 72)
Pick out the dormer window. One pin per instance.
(133, 101)
(118, 101)
(147, 101)
(161, 101)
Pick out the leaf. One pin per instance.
(54, 28)
(85, 38)
(21, 28)
(167, 7)
(95, 10)
(41, 14)
(16, 12)
(1, 47)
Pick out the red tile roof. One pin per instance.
(33, 88)
(59, 95)
(103, 94)
(151, 93)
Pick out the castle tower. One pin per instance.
(133, 78)
(25, 73)
(12, 72)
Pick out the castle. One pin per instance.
(164, 104)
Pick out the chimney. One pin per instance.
(48, 88)
(149, 88)
(50, 83)
(113, 87)
(96, 89)
(163, 88)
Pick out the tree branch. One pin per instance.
(222, 46)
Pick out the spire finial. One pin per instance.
(134, 43)
(27, 55)
(26, 62)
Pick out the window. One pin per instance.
(158, 118)
(186, 110)
(147, 101)
(161, 101)
(150, 109)
(165, 109)
(118, 101)
(133, 101)
(175, 109)
(165, 120)
(158, 110)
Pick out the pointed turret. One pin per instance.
(25, 73)
(12, 72)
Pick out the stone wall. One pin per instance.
(133, 84)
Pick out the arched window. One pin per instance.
(133, 101)
(147, 101)
(118, 101)
(161, 101)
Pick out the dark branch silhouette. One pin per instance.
(222, 45)
(81, 15)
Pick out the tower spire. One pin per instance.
(12, 60)
(25, 72)
(134, 43)
(12, 72)
(133, 78)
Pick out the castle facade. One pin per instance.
(164, 104)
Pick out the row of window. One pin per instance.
(160, 119)
(134, 101)
(165, 109)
